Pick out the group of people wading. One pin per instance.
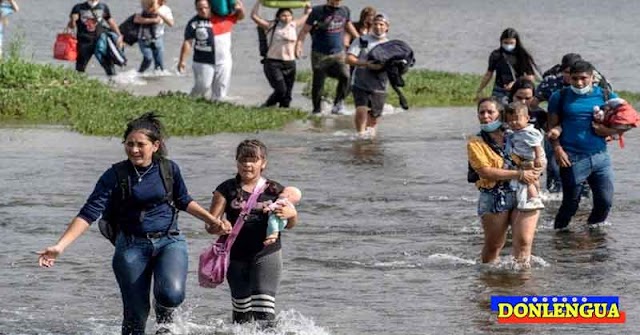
(509, 154)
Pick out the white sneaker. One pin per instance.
(338, 108)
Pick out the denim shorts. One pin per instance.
(489, 202)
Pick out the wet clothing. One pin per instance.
(481, 155)
(374, 100)
(150, 245)
(587, 152)
(253, 286)
(139, 259)
(328, 28)
(332, 66)
(255, 269)
(281, 76)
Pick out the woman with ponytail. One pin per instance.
(149, 244)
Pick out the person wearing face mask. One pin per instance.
(91, 18)
(493, 170)
(369, 83)
(280, 61)
(149, 247)
(580, 147)
(509, 62)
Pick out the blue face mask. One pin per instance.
(508, 47)
(581, 91)
(491, 126)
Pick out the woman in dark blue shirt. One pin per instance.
(150, 245)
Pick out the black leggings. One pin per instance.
(86, 49)
(281, 75)
(254, 285)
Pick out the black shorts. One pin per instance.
(374, 100)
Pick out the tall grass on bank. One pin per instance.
(426, 88)
(33, 93)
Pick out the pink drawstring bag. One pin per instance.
(214, 260)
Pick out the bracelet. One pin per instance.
(520, 174)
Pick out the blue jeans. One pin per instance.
(151, 50)
(135, 262)
(597, 171)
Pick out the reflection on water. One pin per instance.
(367, 152)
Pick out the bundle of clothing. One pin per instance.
(397, 57)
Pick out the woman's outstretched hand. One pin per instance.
(49, 255)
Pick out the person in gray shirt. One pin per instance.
(369, 81)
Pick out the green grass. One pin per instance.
(423, 88)
(426, 88)
(46, 94)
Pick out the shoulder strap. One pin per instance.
(513, 72)
(122, 176)
(253, 199)
(166, 172)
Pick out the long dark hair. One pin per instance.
(521, 83)
(525, 62)
(150, 125)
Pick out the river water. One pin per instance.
(388, 241)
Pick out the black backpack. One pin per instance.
(129, 31)
(109, 223)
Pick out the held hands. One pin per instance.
(218, 227)
(48, 256)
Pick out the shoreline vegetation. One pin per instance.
(47, 94)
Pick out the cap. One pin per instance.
(381, 17)
(569, 59)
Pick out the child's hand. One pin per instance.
(270, 239)
(537, 163)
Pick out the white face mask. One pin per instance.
(581, 91)
(508, 47)
(381, 36)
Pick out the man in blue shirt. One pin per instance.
(581, 149)
(327, 25)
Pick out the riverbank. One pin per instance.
(427, 88)
(47, 94)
